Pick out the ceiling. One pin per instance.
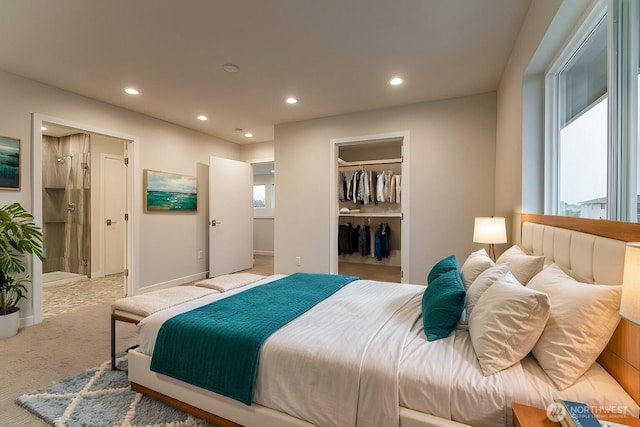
(334, 56)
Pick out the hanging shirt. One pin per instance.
(365, 189)
(380, 187)
(341, 187)
(373, 181)
(392, 189)
(387, 184)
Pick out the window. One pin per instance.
(264, 190)
(581, 136)
(259, 196)
(583, 164)
(592, 116)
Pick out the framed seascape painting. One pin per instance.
(9, 163)
(166, 191)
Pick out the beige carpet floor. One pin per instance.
(61, 346)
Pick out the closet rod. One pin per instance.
(370, 162)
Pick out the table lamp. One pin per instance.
(490, 230)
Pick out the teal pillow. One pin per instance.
(442, 305)
(444, 265)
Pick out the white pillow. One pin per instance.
(583, 318)
(476, 263)
(506, 323)
(481, 284)
(523, 266)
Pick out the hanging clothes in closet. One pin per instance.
(364, 187)
(354, 239)
(364, 241)
(383, 241)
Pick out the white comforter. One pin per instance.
(348, 347)
(356, 357)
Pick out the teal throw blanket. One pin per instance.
(217, 346)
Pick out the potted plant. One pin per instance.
(19, 235)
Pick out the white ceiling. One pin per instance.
(335, 56)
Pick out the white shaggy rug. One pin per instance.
(101, 397)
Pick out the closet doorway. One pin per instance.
(369, 203)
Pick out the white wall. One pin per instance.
(520, 162)
(167, 243)
(452, 163)
(263, 236)
(510, 156)
(263, 220)
(260, 152)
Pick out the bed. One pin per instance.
(389, 374)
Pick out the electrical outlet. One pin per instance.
(200, 254)
(298, 261)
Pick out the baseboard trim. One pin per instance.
(269, 253)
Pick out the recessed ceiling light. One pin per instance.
(231, 68)
(272, 171)
(202, 118)
(43, 128)
(132, 91)
(291, 100)
(248, 134)
(395, 81)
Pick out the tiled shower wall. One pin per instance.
(66, 202)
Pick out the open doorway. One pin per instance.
(264, 200)
(369, 205)
(69, 201)
(84, 203)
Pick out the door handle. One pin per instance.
(214, 222)
(110, 222)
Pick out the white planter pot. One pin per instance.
(9, 324)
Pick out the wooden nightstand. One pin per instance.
(528, 416)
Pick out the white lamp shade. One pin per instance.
(630, 303)
(490, 230)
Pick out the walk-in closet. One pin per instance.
(370, 196)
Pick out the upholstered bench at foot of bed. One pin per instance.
(134, 309)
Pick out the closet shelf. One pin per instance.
(342, 163)
(372, 215)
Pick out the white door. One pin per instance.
(230, 216)
(114, 205)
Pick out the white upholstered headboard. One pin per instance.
(586, 257)
(592, 251)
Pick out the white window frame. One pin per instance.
(553, 100)
(626, 41)
(622, 90)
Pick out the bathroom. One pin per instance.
(66, 178)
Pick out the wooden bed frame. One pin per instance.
(621, 357)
